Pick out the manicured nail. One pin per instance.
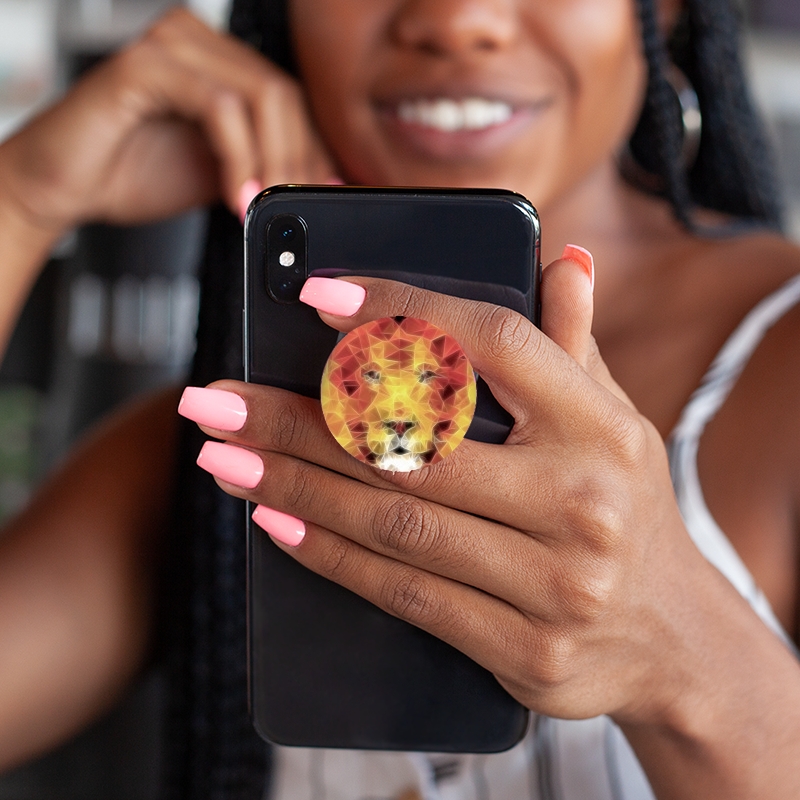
(582, 256)
(232, 464)
(334, 296)
(334, 180)
(216, 408)
(249, 190)
(280, 526)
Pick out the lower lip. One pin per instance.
(463, 144)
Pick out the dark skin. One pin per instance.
(77, 580)
(589, 600)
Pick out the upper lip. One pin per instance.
(493, 91)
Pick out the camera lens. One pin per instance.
(286, 256)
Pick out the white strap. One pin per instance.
(685, 439)
(732, 358)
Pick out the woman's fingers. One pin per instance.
(567, 311)
(534, 660)
(567, 302)
(179, 118)
(423, 534)
(531, 376)
(514, 485)
(285, 147)
(490, 631)
(168, 87)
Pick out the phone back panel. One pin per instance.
(327, 668)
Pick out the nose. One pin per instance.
(451, 27)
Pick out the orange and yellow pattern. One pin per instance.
(398, 393)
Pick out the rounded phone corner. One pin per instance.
(519, 734)
(263, 732)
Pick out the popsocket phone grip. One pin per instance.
(398, 393)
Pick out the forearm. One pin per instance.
(733, 731)
(77, 579)
(24, 248)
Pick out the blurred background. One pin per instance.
(114, 314)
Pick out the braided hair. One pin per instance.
(733, 172)
(211, 749)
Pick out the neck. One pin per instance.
(635, 241)
(610, 218)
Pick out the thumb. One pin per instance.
(567, 310)
(568, 304)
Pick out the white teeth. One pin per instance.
(448, 115)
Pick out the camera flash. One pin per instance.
(286, 258)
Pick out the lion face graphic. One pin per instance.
(398, 393)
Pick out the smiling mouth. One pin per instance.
(459, 129)
(451, 116)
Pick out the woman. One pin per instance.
(581, 583)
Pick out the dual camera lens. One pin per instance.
(287, 241)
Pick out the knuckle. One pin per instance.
(273, 92)
(412, 598)
(131, 60)
(167, 27)
(334, 560)
(589, 591)
(131, 72)
(300, 487)
(423, 481)
(405, 299)
(507, 334)
(406, 525)
(551, 665)
(288, 427)
(594, 513)
(224, 102)
(518, 641)
(628, 438)
(179, 20)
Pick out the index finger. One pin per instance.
(523, 368)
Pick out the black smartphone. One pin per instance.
(327, 668)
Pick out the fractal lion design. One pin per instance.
(398, 393)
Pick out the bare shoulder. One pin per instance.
(756, 263)
(738, 272)
(749, 457)
(760, 267)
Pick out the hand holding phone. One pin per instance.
(349, 674)
(549, 560)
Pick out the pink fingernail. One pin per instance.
(334, 296)
(249, 190)
(334, 180)
(232, 464)
(283, 527)
(580, 255)
(216, 408)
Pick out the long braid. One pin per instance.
(734, 172)
(656, 143)
(212, 750)
(265, 25)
